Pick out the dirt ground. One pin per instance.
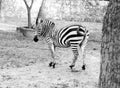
(24, 63)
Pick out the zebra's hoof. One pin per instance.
(71, 66)
(84, 67)
(52, 64)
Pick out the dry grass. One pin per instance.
(10, 48)
(24, 63)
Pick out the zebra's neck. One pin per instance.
(46, 31)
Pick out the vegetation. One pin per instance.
(72, 10)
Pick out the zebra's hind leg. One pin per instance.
(52, 50)
(82, 53)
(75, 53)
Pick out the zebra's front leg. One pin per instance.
(75, 53)
(52, 50)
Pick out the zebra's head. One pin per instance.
(38, 32)
(42, 28)
(38, 29)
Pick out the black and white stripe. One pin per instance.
(74, 36)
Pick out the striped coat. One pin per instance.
(74, 36)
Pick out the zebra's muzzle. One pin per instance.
(35, 38)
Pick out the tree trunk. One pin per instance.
(0, 5)
(29, 18)
(110, 47)
(2, 17)
(29, 12)
(40, 13)
(0, 8)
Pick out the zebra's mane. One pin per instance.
(46, 27)
(45, 30)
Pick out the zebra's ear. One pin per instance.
(36, 21)
(53, 24)
(41, 21)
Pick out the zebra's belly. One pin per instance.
(58, 44)
(56, 40)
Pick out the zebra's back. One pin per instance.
(64, 37)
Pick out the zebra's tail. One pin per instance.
(83, 45)
(85, 35)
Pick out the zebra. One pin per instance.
(74, 36)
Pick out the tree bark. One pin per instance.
(110, 47)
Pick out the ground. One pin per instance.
(24, 63)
